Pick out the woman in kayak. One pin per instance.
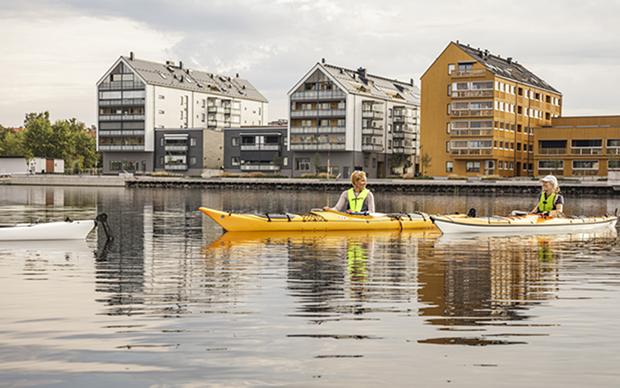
(357, 199)
(550, 200)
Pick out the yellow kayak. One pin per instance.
(316, 221)
(521, 223)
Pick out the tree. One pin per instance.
(277, 162)
(11, 143)
(316, 162)
(396, 163)
(425, 162)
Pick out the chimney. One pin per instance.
(509, 59)
(181, 65)
(131, 55)
(323, 60)
(237, 75)
(362, 72)
(411, 82)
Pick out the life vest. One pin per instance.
(547, 204)
(358, 204)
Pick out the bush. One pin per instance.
(256, 174)
(491, 177)
(324, 175)
(309, 176)
(457, 177)
(397, 176)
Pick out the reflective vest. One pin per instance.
(546, 204)
(358, 204)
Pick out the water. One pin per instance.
(173, 302)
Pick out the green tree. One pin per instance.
(277, 162)
(11, 143)
(425, 162)
(316, 162)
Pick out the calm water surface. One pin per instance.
(174, 302)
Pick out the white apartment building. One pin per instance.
(136, 97)
(354, 121)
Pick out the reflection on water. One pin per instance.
(173, 301)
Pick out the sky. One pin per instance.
(53, 52)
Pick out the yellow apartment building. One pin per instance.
(478, 111)
(578, 146)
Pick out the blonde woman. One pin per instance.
(550, 199)
(357, 199)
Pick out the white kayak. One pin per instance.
(521, 223)
(65, 230)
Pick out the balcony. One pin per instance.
(115, 147)
(317, 147)
(373, 131)
(471, 132)
(372, 115)
(258, 167)
(586, 151)
(404, 150)
(552, 151)
(405, 120)
(613, 151)
(314, 95)
(120, 117)
(176, 148)
(318, 113)
(404, 135)
(472, 93)
(372, 147)
(471, 151)
(180, 166)
(123, 102)
(330, 129)
(469, 73)
(472, 113)
(260, 147)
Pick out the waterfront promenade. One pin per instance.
(471, 186)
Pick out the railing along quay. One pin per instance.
(503, 187)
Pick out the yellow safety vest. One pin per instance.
(356, 204)
(546, 204)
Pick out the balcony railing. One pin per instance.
(405, 120)
(472, 93)
(372, 147)
(260, 147)
(613, 151)
(472, 113)
(123, 102)
(471, 132)
(552, 151)
(404, 150)
(586, 151)
(315, 147)
(120, 117)
(106, 147)
(176, 148)
(373, 131)
(181, 166)
(404, 135)
(139, 132)
(318, 95)
(258, 167)
(471, 152)
(372, 115)
(469, 73)
(334, 129)
(318, 113)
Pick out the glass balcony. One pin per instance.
(552, 151)
(472, 113)
(258, 167)
(469, 73)
(372, 115)
(373, 131)
(117, 147)
(260, 147)
(321, 129)
(181, 166)
(586, 151)
(120, 117)
(473, 93)
(372, 147)
(176, 148)
(318, 95)
(405, 120)
(403, 150)
(317, 147)
(318, 113)
(404, 135)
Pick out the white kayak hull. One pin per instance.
(577, 225)
(66, 230)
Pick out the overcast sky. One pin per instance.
(53, 52)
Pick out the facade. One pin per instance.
(479, 111)
(257, 148)
(36, 165)
(137, 97)
(351, 120)
(578, 146)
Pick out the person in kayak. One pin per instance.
(357, 199)
(550, 201)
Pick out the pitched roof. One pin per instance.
(176, 76)
(506, 68)
(376, 86)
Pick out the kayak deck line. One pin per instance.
(318, 220)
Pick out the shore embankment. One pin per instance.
(429, 186)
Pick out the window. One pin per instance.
(285, 161)
(192, 160)
(500, 165)
(366, 161)
(302, 164)
(161, 97)
(613, 164)
(448, 108)
(451, 68)
(551, 165)
(161, 112)
(449, 166)
(447, 146)
(234, 142)
(449, 90)
(192, 141)
(473, 167)
(448, 127)
(234, 161)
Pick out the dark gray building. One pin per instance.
(257, 148)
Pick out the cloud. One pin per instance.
(58, 50)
